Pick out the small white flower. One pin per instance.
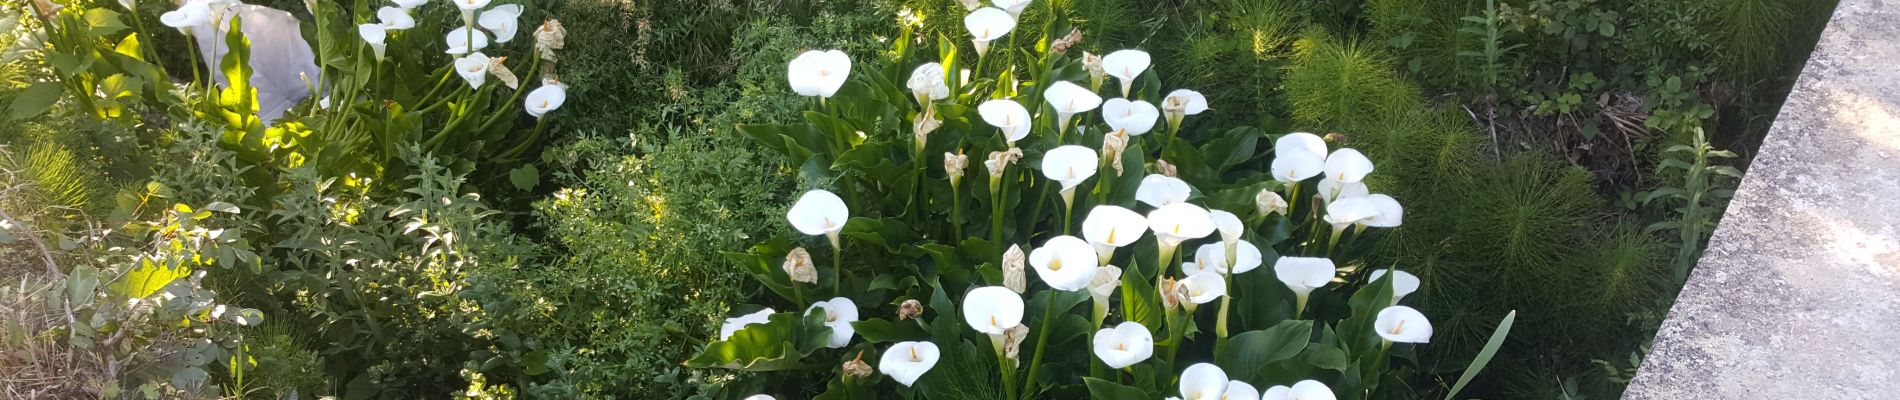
(1135, 117)
(1403, 283)
(1070, 165)
(1268, 202)
(1124, 345)
(1157, 190)
(1108, 227)
(1008, 116)
(819, 73)
(1126, 65)
(840, 312)
(376, 36)
(1181, 103)
(473, 68)
(1403, 324)
(988, 24)
(819, 212)
(1065, 263)
(1347, 165)
(992, 309)
(1203, 382)
(463, 40)
(544, 99)
(926, 83)
(738, 323)
(906, 361)
(1303, 274)
(395, 18)
(503, 21)
(1204, 287)
(1069, 99)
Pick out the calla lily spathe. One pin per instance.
(1135, 117)
(840, 312)
(468, 8)
(735, 324)
(1296, 166)
(473, 68)
(1065, 263)
(1014, 7)
(1203, 382)
(761, 397)
(1070, 165)
(187, 16)
(818, 73)
(395, 18)
(1007, 116)
(1203, 287)
(1330, 189)
(1390, 213)
(1068, 99)
(1125, 66)
(1347, 165)
(1304, 390)
(1181, 103)
(546, 98)
(1346, 211)
(1403, 283)
(376, 36)
(1401, 324)
(503, 21)
(1124, 345)
(926, 83)
(1157, 190)
(819, 212)
(906, 361)
(1176, 223)
(1228, 225)
(987, 24)
(1107, 279)
(1108, 227)
(1303, 274)
(992, 309)
(1237, 390)
(1300, 142)
(1213, 257)
(463, 40)
(410, 4)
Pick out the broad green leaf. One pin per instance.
(525, 177)
(883, 331)
(1105, 390)
(35, 100)
(1484, 356)
(1324, 356)
(1247, 352)
(778, 344)
(148, 279)
(103, 22)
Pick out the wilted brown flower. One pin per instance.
(1165, 168)
(798, 265)
(1014, 276)
(910, 309)
(1113, 144)
(856, 368)
(549, 37)
(953, 166)
(1062, 45)
(1013, 340)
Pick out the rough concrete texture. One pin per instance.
(1798, 296)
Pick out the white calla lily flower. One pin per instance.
(1069, 165)
(840, 312)
(1007, 116)
(1403, 283)
(906, 361)
(818, 73)
(1157, 190)
(1347, 165)
(1181, 103)
(819, 212)
(376, 36)
(1014, 7)
(1107, 279)
(473, 68)
(187, 16)
(1203, 287)
(1109, 227)
(463, 40)
(1065, 263)
(761, 397)
(926, 83)
(1303, 274)
(1346, 211)
(1304, 390)
(503, 20)
(1228, 225)
(1296, 166)
(1391, 214)
(544, 99)
(469, 7)
(1300, 142)
(1203, 381)
(395, 19)
(988, 24)
(735, 324)
(1330, 189)
(1125, 66)
(1401, 324)
(1135, 117)
(410, 4)
(1237, 390)
(1213, 257)
(992, 309)
(1068, 99)
(1124, 345)
(1176, 223)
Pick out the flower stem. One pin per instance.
(956, 212)
(996, 215)
(1220, 321)
(1042, 339)
(837, 268)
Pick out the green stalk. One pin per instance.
(1042, 339)
(956, 210)
(1220, 321)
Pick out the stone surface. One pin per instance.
(1798, 296)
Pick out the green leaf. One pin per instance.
(778, 344)
(149, 278)
(1726, 170)
(884, 331)
(1484, 356)
(35, 100)
(222, 207)
(1248, 352)
(103, 22)
(1325, 356)
(81, 283)
(525, 177)
(1105, 390)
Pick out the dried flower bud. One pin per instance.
(1093, 63)
(1170, 294)
(798, 265)
(953, 166)
(1165, 168)
(1337, 137)
(1268, 202)
(46, 9)
(926, 122)
(856, 368)
(1113, 144)
(500, 71)
(999, 161)
(1013, 340)
(549, 37)
(910, 309)
(1062, 45)
(1013, 274)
